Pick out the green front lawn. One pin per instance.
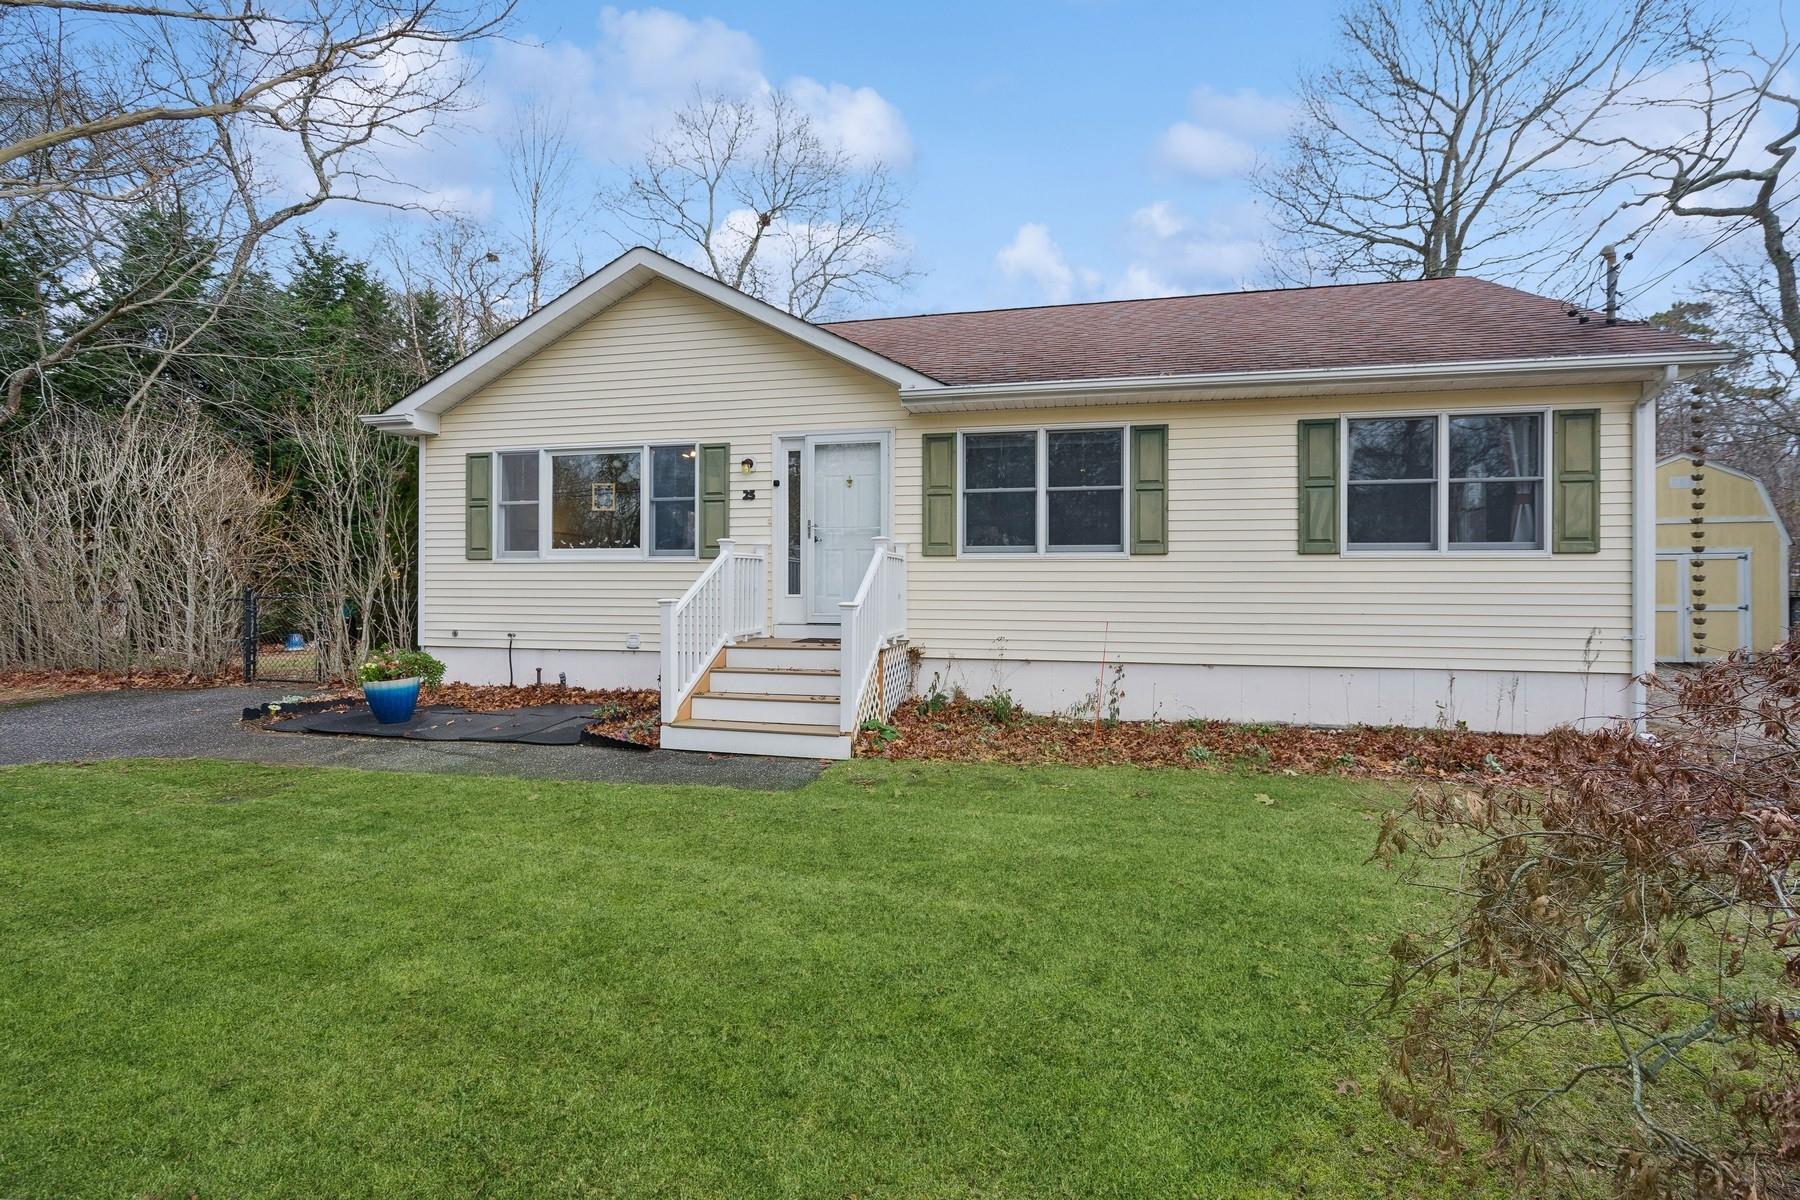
(906, 980)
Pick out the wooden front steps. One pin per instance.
(774, 696)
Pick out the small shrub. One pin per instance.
(611, 710)
(934, 701)
(999, 706)
(880, 731)
(1200, 754)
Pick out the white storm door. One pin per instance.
(846, 503)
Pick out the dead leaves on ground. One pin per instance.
(43, 685)
(962, 731)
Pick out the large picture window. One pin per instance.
(595, 500)
(1058, 491)
(630, 500)
(1456, 481)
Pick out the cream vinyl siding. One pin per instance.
(661, 365)
(664, 363)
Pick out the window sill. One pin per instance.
(1042, 555)
(1457, 554)
(592, 556)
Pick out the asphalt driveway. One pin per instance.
(204, 724)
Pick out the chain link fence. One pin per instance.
(267, 636)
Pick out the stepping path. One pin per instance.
(204, 724)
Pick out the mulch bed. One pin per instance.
(44, 685)
(628, 714)
(962, 731)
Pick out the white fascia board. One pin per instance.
(605, 287)
(1224, 385)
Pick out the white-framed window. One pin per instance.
(630, 501)
(674, 499)
(1445, 481)
(1497, 481)
(516, 514)
(1043, 491)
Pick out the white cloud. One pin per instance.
(1246, 111)
(1034, 256)
(1166, 253)
(1204, 153)
(1221, 137)
(647, 51)
(1172, 252)
(860, 120)
(649, 62)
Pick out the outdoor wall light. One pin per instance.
(747, 465)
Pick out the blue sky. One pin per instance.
(1061, 150)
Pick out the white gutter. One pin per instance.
(963, 396)
(1643, 542)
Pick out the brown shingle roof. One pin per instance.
(1346, 325)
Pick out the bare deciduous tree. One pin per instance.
(354, 536)
(1734, 169)
(141, 532)
(752, 192)
(1448, 137)
(540, 165)
(458, 261)
(245, 116)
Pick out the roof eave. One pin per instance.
(402, 424)
(1233, 385)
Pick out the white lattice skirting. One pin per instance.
(889, 683)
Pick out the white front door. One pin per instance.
(844, 507)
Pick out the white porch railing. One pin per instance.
(729, 601)
(870, 623)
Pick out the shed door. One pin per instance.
(1725, 594)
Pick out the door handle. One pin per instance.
(811, 531)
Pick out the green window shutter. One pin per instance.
(715, 497)
(478, 504)
(1319, 486)
(1149, 489)
(1575, 456)
(938, 520)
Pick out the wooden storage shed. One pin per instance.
(1744, 592)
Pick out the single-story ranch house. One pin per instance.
(1413, 503)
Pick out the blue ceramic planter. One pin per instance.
(392, 700)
